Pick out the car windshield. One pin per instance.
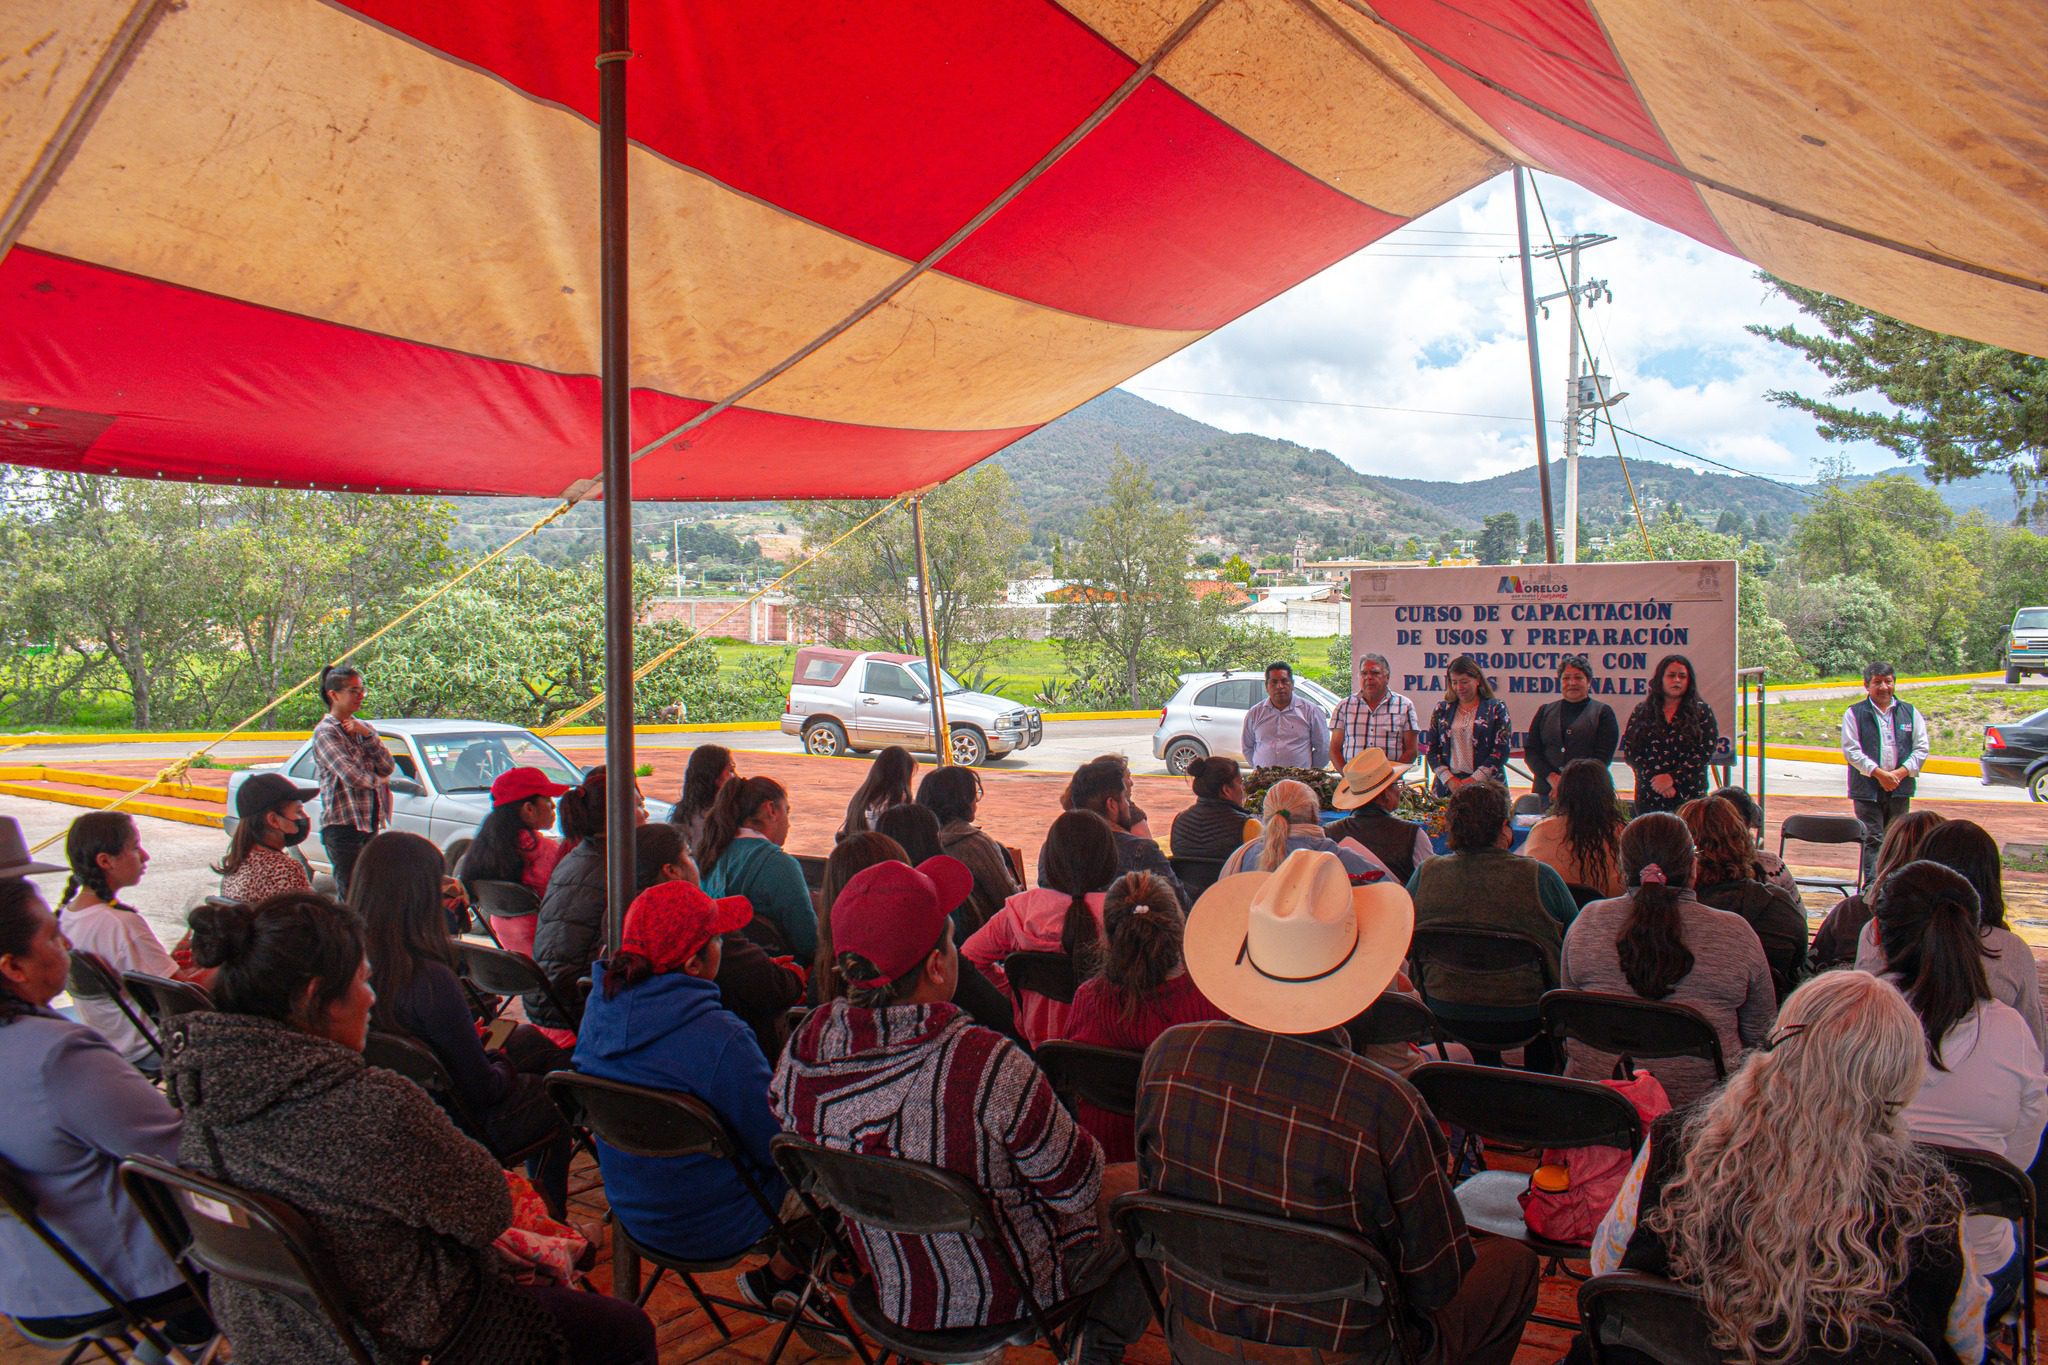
(469, 762)
(917, 671)
(2033, 618)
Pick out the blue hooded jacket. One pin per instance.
(671, 1032)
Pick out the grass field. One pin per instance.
(1956, 716)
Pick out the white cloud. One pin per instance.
(1431, 319)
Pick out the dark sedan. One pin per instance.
(2016, 755)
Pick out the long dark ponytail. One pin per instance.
(1079, 860)
(1652, 948)
(1141, 932)
(702, 776)
(90, 835)
(1927, 925)
(739, 801)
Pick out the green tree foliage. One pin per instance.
(1840, 623)
(1500, 539)
(1132, 609)
(1761, 638)
(1238, 570)
(195, 603)
(1895, 531)
(1961, 407)
(865, 590)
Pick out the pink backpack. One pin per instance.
(1574, 1214)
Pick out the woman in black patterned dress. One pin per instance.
(1671, 736)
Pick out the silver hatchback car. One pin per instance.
(1206, 716)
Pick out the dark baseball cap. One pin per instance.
(891, 913)
(265, 792)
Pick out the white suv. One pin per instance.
(1206, 716)
(844, 700)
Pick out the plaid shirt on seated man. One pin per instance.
(1234, 1115)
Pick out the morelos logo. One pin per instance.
(1513, 585)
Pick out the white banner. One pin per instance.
(1518, 621)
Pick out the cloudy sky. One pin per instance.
(1431, 318)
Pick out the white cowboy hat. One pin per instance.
(1298, 950)
(1365, 776)
(14, 859)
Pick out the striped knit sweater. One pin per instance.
(924, 1082)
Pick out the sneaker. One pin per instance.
(762, 1288)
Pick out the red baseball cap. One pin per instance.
(669, 924)
(892, 913)
(522, 784)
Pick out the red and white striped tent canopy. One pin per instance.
(355, 245)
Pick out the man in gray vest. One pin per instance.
(1884, 742)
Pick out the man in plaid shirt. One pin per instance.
(355, 774)
(1374, 718)
(1269, 1111)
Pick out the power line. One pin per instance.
(1705, 459)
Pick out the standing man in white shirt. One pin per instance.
(1374, 717)
(1281, 732)
(1884, 742)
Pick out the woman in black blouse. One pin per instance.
(1577, 725)
(1670, 738)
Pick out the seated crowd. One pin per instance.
(889, 1014)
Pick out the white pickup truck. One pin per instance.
(843, 700)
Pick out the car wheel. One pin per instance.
(969, 748)
(825, 739)
(2037, 786)
(1183, 754)
(2012, 677)
(453, 853)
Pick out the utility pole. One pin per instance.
(1535, 366)
(1576, 396)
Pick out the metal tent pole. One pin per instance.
(942, 737)
(618, 465)
(1535, 368)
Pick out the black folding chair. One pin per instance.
(814, 870)
(1106, 1077)
(213, 1229)
(641, 1121)
(1632, 1027)
(1584, 895)
(1518, 962)
(1196, 874)
(1396, 1017)
(1257, 1259)
(1995, 1188)
(501, 900)
(1048, 974)
(502, 973)
(912, 1199)
(1522, 1109)
(1629, 1318)
(1825, 829)
(122, 1325)
(91, 978)
(164, 999)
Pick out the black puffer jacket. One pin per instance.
(403, 1204)
(569, 931)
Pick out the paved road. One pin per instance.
(1067, 745)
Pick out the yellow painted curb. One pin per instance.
(1781, 689)
(91, 802)
(692, 728)
(120, 783)
(156, 737)
(1099, 715)
(1800, 753)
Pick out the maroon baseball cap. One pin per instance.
(892, 913)
(522, 784)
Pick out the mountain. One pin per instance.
(1603, 493)
(1990, 494)
(1254, 491)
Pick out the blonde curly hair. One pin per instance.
(1800, 1188)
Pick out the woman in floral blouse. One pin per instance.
(1671, 736)
(1470, 732)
